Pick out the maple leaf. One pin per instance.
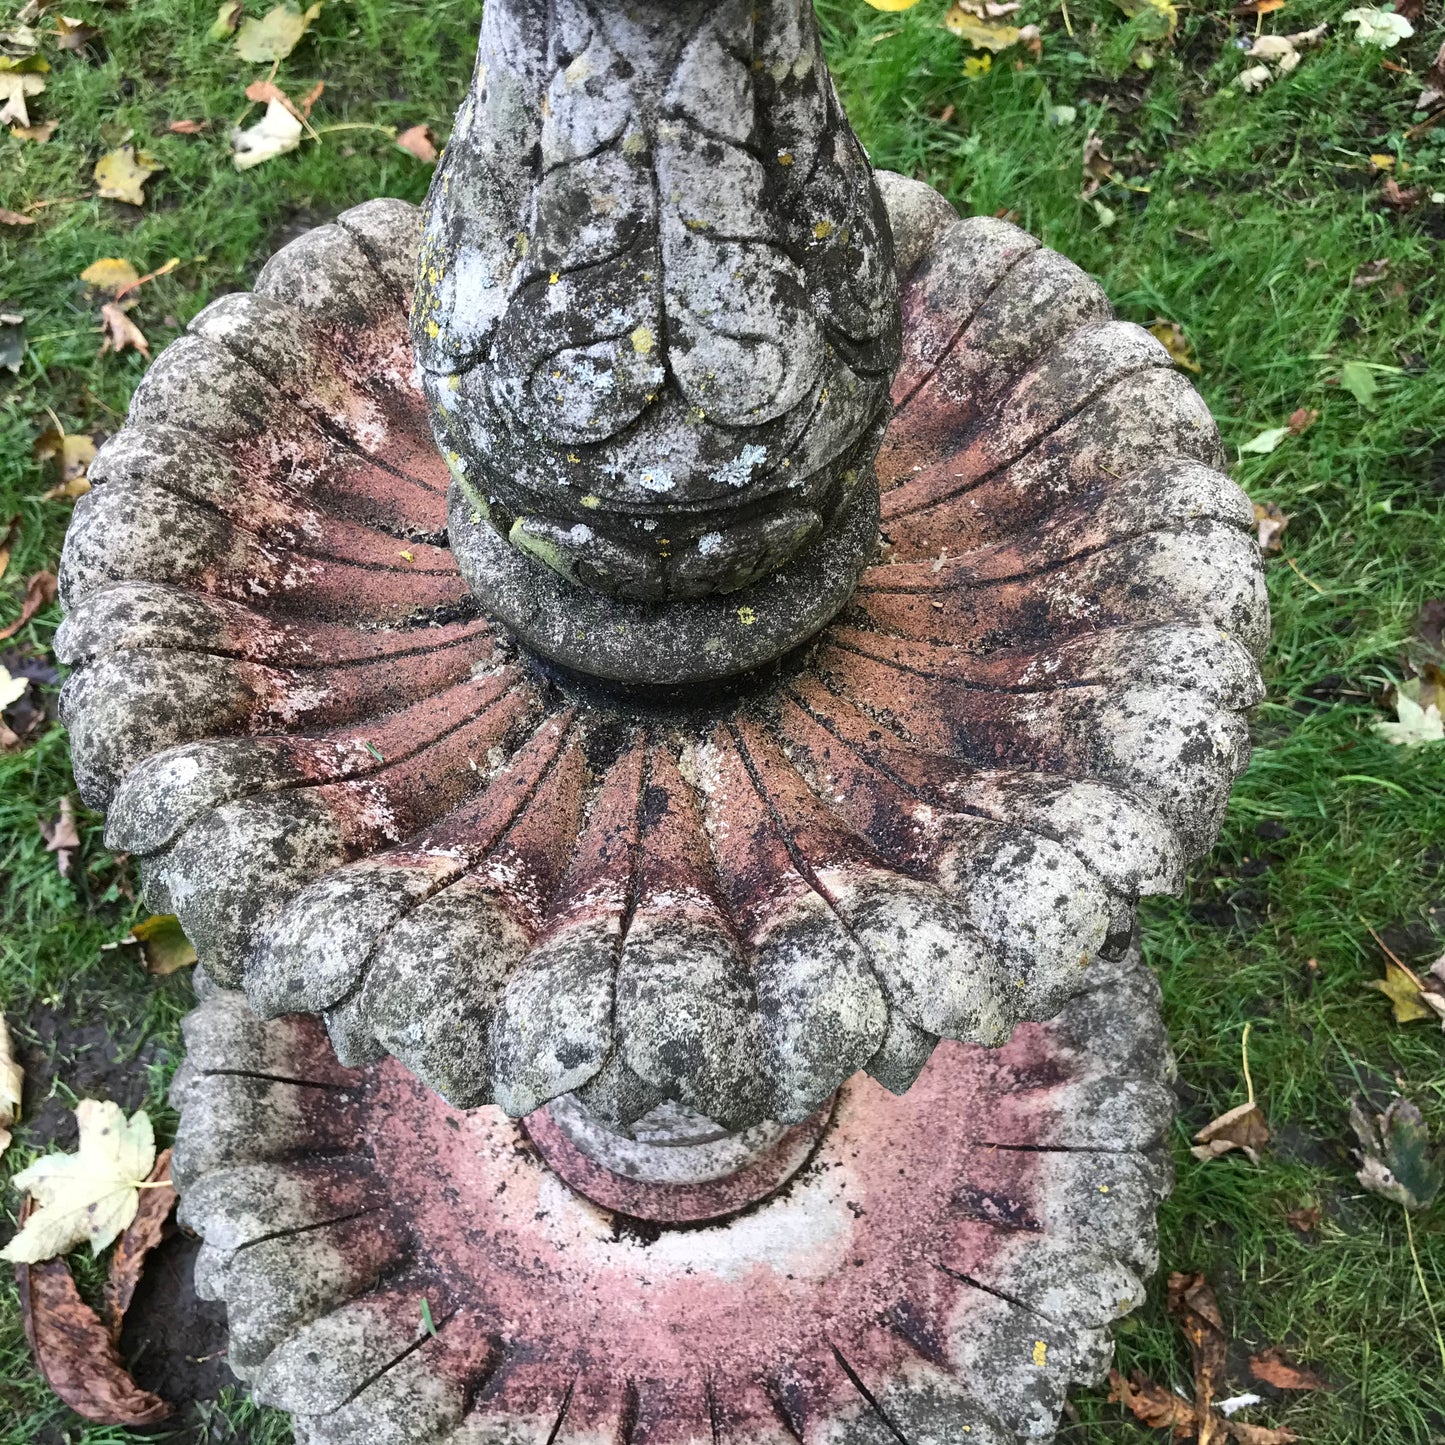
(120, 332)
(275, 35)
(1396, 1159)
(90, 1195)
(1417, 710)
(121, 175)
(12, 1080)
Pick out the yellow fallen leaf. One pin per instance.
(976, 65)
(275, 35)
(1402, 986)
(12, 1078)
(893, 4)
(164, 944)
(110, 273)
(76, 452)
(1170, 335)
(121, 175)
(979, 33)
(91, 1194)
(1160, 18)
(39, 134)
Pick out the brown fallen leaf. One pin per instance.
(1258, 1434)
(1098, 168)
(14, 218)
(163, 944)
(73, 34)
(37, 134)
(61, 836)
(141, 1236)
(12, 1081)
(1402, 198)
(1306, 1219)
(1301, 419)
(417, 140)
(74, 1351)
(1193, 1304)
(39, 592)
(120, 332)
(1270, 521)
(186, 127)
(1152, 1403)
(1434, 92)
(8, 535)
(1259, 7)
(1244, 1128)
(1271, 1367)
(1369, 273)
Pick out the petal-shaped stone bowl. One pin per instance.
(933, 820)
(944, 1266)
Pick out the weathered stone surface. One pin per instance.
(365, 801)
(656, 315)
(942, 1268)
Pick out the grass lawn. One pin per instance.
(1254, 221)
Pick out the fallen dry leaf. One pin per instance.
(110, 273)
(1270, 523)
(12, 1082)
(91, 1194)
(228, 17)
(1192, 1302)
(1396, 1158)
(1402, 198)
(73, 34)
(1306, 1220)
(1418, 720)
(1369, 273)
(417, 139)
(7, 540)
(1271, 1367)
(61, 836)
(14, 218)
(1170, 335)
(1434, 91)
(119, 331)
(276, 133)
(1098, 168)
(1259, 7)
(186, 127)
(1244, 1434)
(1244, 1128)
(1411, 997)
(141, 1236)
(120, 175)
(76, 451)
(38, 134)
(39, 592)
(74, 1351)
(981, 33)
(275, 35)
(1152, 1403)
(19, 80)
(1301, 420)
(163, 944)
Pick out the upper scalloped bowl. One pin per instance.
(364, 801)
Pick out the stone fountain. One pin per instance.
(655, 685)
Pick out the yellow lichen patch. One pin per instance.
(573, 457)
(406, 556)
(454, 382)
(554, 278)
(643, 340)
(591, 502)
(785, 158)
(578, 71)
(433, 330)
(522, 243)
(823, 230)
(1041, 1354)
(634, 143)
(747, 616)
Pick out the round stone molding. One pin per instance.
(366, 802)
(940, 1270)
